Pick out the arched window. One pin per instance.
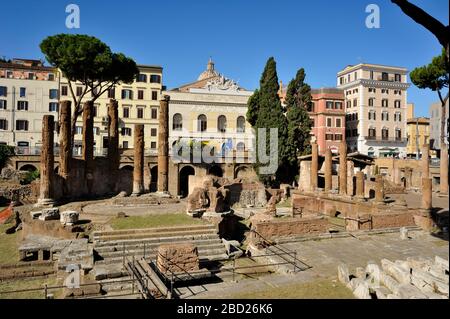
(240, 124)
(240, 147)
(222, 124)
(202, 123)
(177, 122)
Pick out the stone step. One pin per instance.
(151, 245)
(158, 240)
(156, 235)
(213, 249)
(173, 229)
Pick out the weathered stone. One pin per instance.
(441, 262)
(65, 149)
(69, 217)
(399, 273)
(360, 272)
(35, 215)
(379, 189)
(314, 165)
(343, 274)
(362, 291)
(163, 145)
(444, 169)
(427, 193)
(381, 292)
(408, 291)
(404, 233)
(47, 161)
(121, 215)
(374, 271)
(438, 285)
(360, 184)
(390, 283)
(177, 258)
(343, 168)
(88, 144)
(49, 214)
(197, 200)
(392, 296)
(113, 144)
(354, 283)
(328, 170)
(138, 171)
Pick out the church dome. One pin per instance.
(209, 72)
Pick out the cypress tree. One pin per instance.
(265, 111)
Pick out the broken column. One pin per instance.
(343, 168)
(328, 170)
(314, 165)
(47, 162)
(360, 184)
(138, 173)
(444, 169)
(113, 142)
(427, 193)
(163, 145)
(65, 137)
(379, 189)
(425, 161)
(88, 143)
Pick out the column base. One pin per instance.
(164, 194)
(45, 202)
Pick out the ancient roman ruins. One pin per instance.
(339, 196)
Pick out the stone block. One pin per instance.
(343, 274)
(389, 282)
(374, 271)
(49, 214)
(437, 284)
(404, 233)
(401, 274)
(69, 217)
(360, 273)
(353, 284)
(441, 262)
(408, 291)
(177, 258)
(362, 291)
(381, 292)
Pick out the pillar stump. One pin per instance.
(379, 189)
(138, 172)
(425, 161)
(427, 193)
(65, 152)
(47, 162)
(113, 143)
(343, 168)
(88, 144)
(328, 170)
(360, 185)
(314, 166)
(163, 146)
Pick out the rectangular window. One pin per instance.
(95, 111)
(153, 132)
(338, 105)
(127, 94)
(371, 102)
(30, 76)
(3, 104)
(3, 91)
(329, 105)
(154, 95)
(126, 112)
(371, 75)
(329, 137)
(329, 124)
(349, 104)
(153, 145)
(155, 78)
(125, 144)
(126, 131)
(397, 104)
(142, 78)
(79, 130)
(385, 103)
(3, 124)
(384, 76)
(338, 137)
(79, 90)
(64, 90)
(385, 134)
(398, 78)
(22, 105)
(140, 94)
(154, 113)
(140, 113)
(23, 92)
(53, 107)
(338, 122)
(21, 125)
(112, 93)
(355, 102)
(372, 132)
(53, 94)
(51, 77)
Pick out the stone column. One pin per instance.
(444, 169)
(379, 189)
(427, 193)
(138, 173)
(47, 162)
(425, 161)
(396, 172)
(343, 168)
(408, 177)
(163, 145)
(314, 166)
(360, 184)
(88, 143)
(65, 137)
(350, 174)
(113, 143)
(328, 170)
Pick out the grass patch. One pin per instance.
(319, 289)
(337, 221)
(285, 204)
(9, 246)
(158, 220)
(29, 284)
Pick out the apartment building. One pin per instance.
(435, 112)
(375, 105)
(28, 91)
(327, 111)
(138, 104)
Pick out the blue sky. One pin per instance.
(322, 36)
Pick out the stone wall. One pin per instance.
(177, 258)
(287, 227)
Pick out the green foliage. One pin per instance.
(265, 111)
(298, 97)
(5, 152)
(30, 177)
(433, 76)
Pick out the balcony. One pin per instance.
(385, 139)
